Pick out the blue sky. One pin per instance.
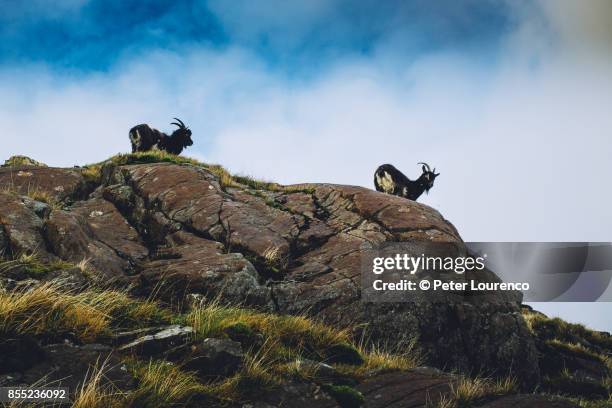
(509, 99)
(294, 37)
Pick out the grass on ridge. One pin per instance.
(93, 172)
(554, 328)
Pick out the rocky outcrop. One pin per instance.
(175, 230)
(22, 161)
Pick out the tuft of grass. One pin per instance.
(297, 332)
(257, 374)
(92, 174)
(32, 266)
(44, 197)
(163, 384)
(50, 309)
(274, 259)
(379, 358)
(468, 392)
(93, 394)
(35, 193)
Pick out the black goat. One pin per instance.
(390, 180)
(145, 138)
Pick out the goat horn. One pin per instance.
(179, 121)
(426, 165)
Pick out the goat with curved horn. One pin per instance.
(390, 180)
(145, 138)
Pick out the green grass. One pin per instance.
(347, 397)
(32, 266)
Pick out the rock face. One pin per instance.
(175, 230)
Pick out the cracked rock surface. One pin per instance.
(174, 230)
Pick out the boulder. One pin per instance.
(214, 358)
(67, 365)
(61, 184)
(96, 231)
(425, 387)
(203, 266)
(21, 228)
(175, 230)
(294, 395)
(19, 353)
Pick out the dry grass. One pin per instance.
(49, 308)
(547, 328)
(259, 374)
(92, 174)
(283, 341)
(43, 196)
(579, 349)
(94, 394)
(274, 259)
(288, 340)
(211, 320)
(35, 193)
(380, 358)
(163, 384)
(468, 392)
